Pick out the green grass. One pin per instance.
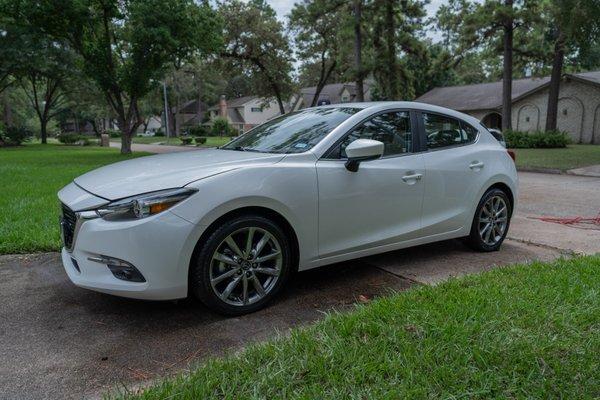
(212, 141)
(516, 332)
(574, 156)
(30, 177)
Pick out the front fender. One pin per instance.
(290, 189)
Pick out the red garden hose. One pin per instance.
(574, 220)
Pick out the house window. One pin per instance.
(565, 111)
(526, 119)
(256, 109)
(345, 99)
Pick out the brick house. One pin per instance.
(578, 105)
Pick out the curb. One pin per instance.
(553, 171)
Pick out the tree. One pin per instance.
(473, 26)
(573, 27)
(124, 46)
(360, 93)
(256, 44)
(318, 26)
(40, 66)
(44, 72)
(85, 104)
(397, 27)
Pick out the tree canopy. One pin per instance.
(125, 47)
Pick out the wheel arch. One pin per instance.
(263, 211)
(506, 189)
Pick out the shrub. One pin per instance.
(68, 138)
(113, 133)
(159, 133)
(539, 139)
(16, 135)
(186, 140)
(86, 141)
(221, 127)
(198, 131)
(200, 140)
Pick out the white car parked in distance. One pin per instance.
(314, 187)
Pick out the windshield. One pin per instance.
(292, 133)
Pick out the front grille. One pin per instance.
(67, 223)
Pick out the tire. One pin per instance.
(219, 266)
(494, 210)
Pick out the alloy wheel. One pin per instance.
(493, 220)
(246, 266)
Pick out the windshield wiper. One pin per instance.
(242, 148)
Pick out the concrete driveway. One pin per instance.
(59, 341)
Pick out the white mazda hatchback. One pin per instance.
(310, 188)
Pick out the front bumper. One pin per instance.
(160, 247)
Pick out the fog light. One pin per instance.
(120, 269)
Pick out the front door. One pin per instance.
(380, 204)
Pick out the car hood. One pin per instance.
(165, 171)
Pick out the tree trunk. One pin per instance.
(360, 94)
(390, 34)
(95, 127)
(199, 105)
(325, 74)
(554, 89)
(177, 120)
(127, 128)
(7, 115)
(44, 130)
(507, 71)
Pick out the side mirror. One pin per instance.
(362, 150)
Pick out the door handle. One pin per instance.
(416, 177)
(476, 165)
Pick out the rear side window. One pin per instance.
(469, 133)
(442, 131)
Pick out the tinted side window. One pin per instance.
(441, 131)
(393, 129)
(469, 133)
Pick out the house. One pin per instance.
(190, 113)
(578, 105)
(244, 113)
(333, 93)
(86, 127)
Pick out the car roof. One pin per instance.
(375, 106)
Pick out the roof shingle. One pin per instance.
(486, 96)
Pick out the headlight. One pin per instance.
(144, 205)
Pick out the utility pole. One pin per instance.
(166, 109)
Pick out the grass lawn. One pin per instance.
(516, 332)
(210, 141)
(574, 156)
(30, 177)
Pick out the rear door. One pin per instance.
(454, 172)
(379, 204)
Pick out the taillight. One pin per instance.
(512, 154)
